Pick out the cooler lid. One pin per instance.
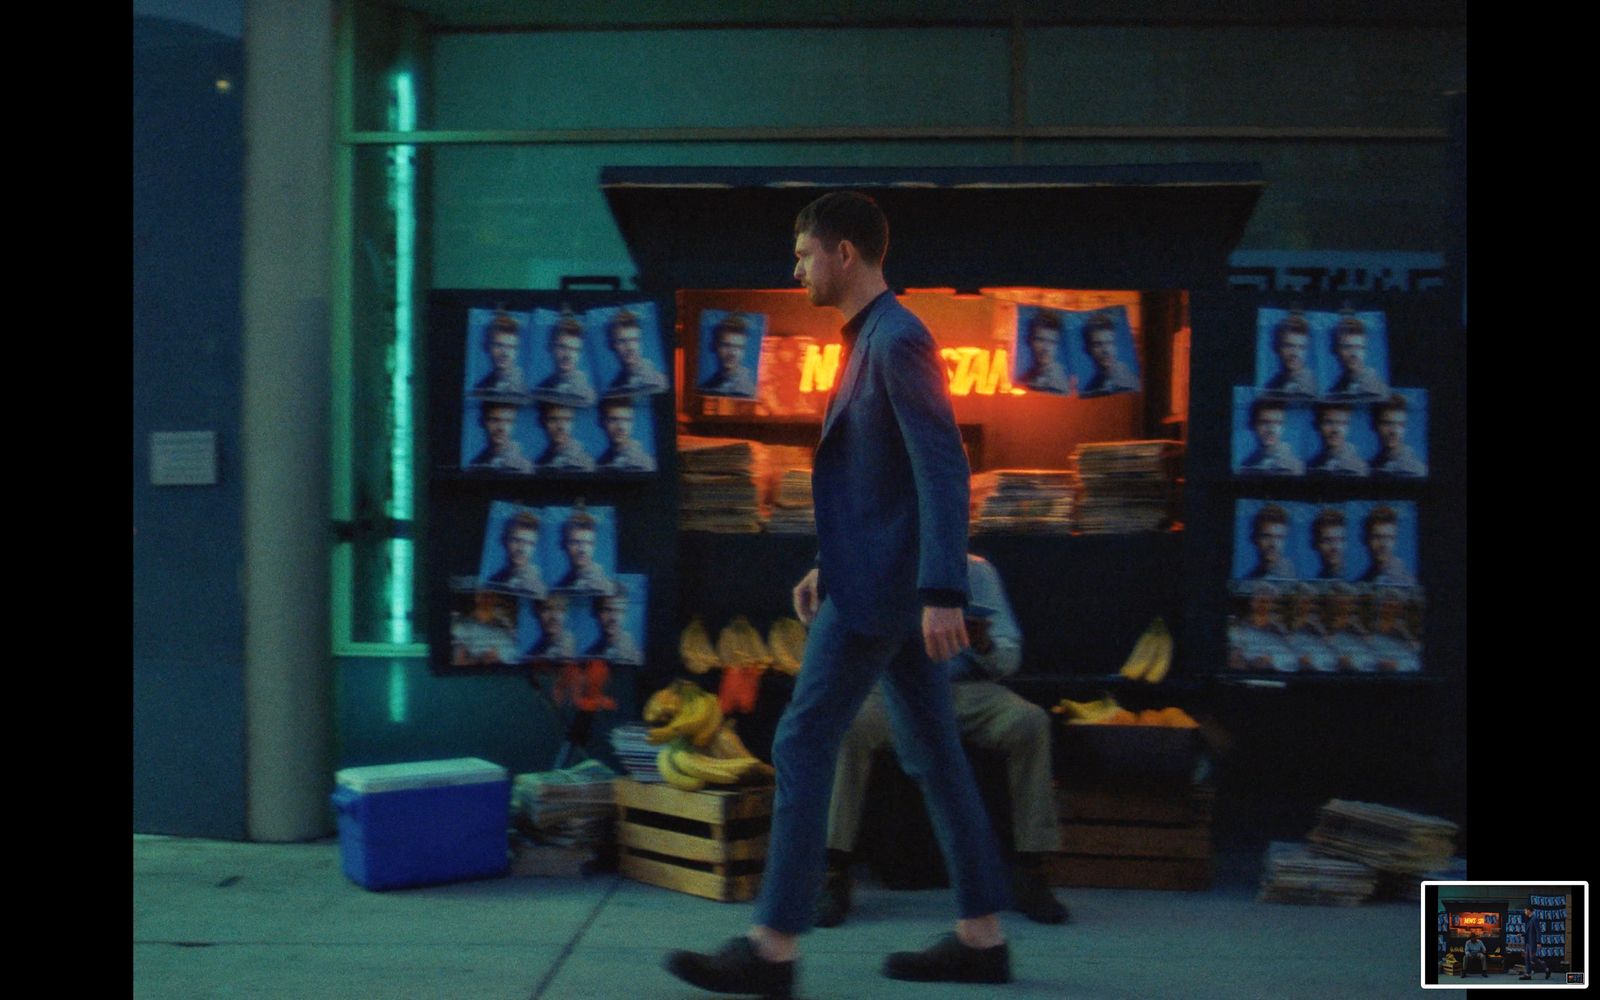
(1140, 226)
(420, 774)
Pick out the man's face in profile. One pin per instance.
(1382, 540)
(618, 423)
(627, 344)
(580, 547)
(1262, 607)
(520, 545)
(498, 422)
(503, 348)
(1392, 427)
(1268, 426)
(566, 351)
(1269, 541)
(1334, 426)
(1351, 350)
(1292, 350)
(819, 270)
(1103, 348)
(558, 425)
(1329, 544)
(730, 351)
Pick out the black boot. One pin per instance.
(1030, 892)
(833, 903)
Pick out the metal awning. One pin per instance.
(1144, 226)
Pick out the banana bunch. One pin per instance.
(664, 704)
(694, 646)
(740, 645)
(697, 718)
(787, 641)
(727, 761)
(1152, 654)
(1081, 712)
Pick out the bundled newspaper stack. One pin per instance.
(1296, 873)
(720, 484)
(1036, 500)
(572, 807)
(1401, 846)
(637, 754)
(789, 491)
(1126, 486)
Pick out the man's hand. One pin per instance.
(944, 632)
(805, 598)
(978, 634)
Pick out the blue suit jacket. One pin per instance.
(890, 480)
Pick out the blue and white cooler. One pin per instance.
(423, 823)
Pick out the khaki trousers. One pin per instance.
(989, 716)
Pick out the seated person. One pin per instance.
(990, 716)
(1475, 952)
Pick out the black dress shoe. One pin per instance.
(950, 961)
(733, 968)
(834, 903)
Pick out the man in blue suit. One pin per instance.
(885, 600)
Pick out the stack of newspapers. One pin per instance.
(1034, 500)
(1297, 873)
(572, 807)
(789, 491)
(637, 754)
(1126, 486)
(1402, 846)
(720, 484)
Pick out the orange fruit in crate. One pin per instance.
(1121, 717)
(1178, 717)
(1151, 717)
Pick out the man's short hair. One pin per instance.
(616, 403)
(1270, 514)
(847, 215)
(1377, 516)
(1295, 322)
(546, 408)
(1348, 325)
(522, 520)
(1319, 410)
(623, 320)
(1327, 517)
(729, 324)
(567, 326)
(484, 408)
(1094, 324)
(1257, 405)
(1045, 319)
(552, 600)
(580, 521)
(618, 596)
(1382, 406)
(500, 324)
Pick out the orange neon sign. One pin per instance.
(969, 370)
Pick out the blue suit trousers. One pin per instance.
(839, 670)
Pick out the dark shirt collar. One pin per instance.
(852, 329)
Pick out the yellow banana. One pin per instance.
(663, 705)
(675, 777)
(787, 641)
(690, 719)
(727, 744)
(703, 733)
(1161, 659)
(715, 770)
(1139, 659)
(694, 646)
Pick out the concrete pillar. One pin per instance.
(288, 222)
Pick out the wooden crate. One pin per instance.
(706, 843)
(1135, 838)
